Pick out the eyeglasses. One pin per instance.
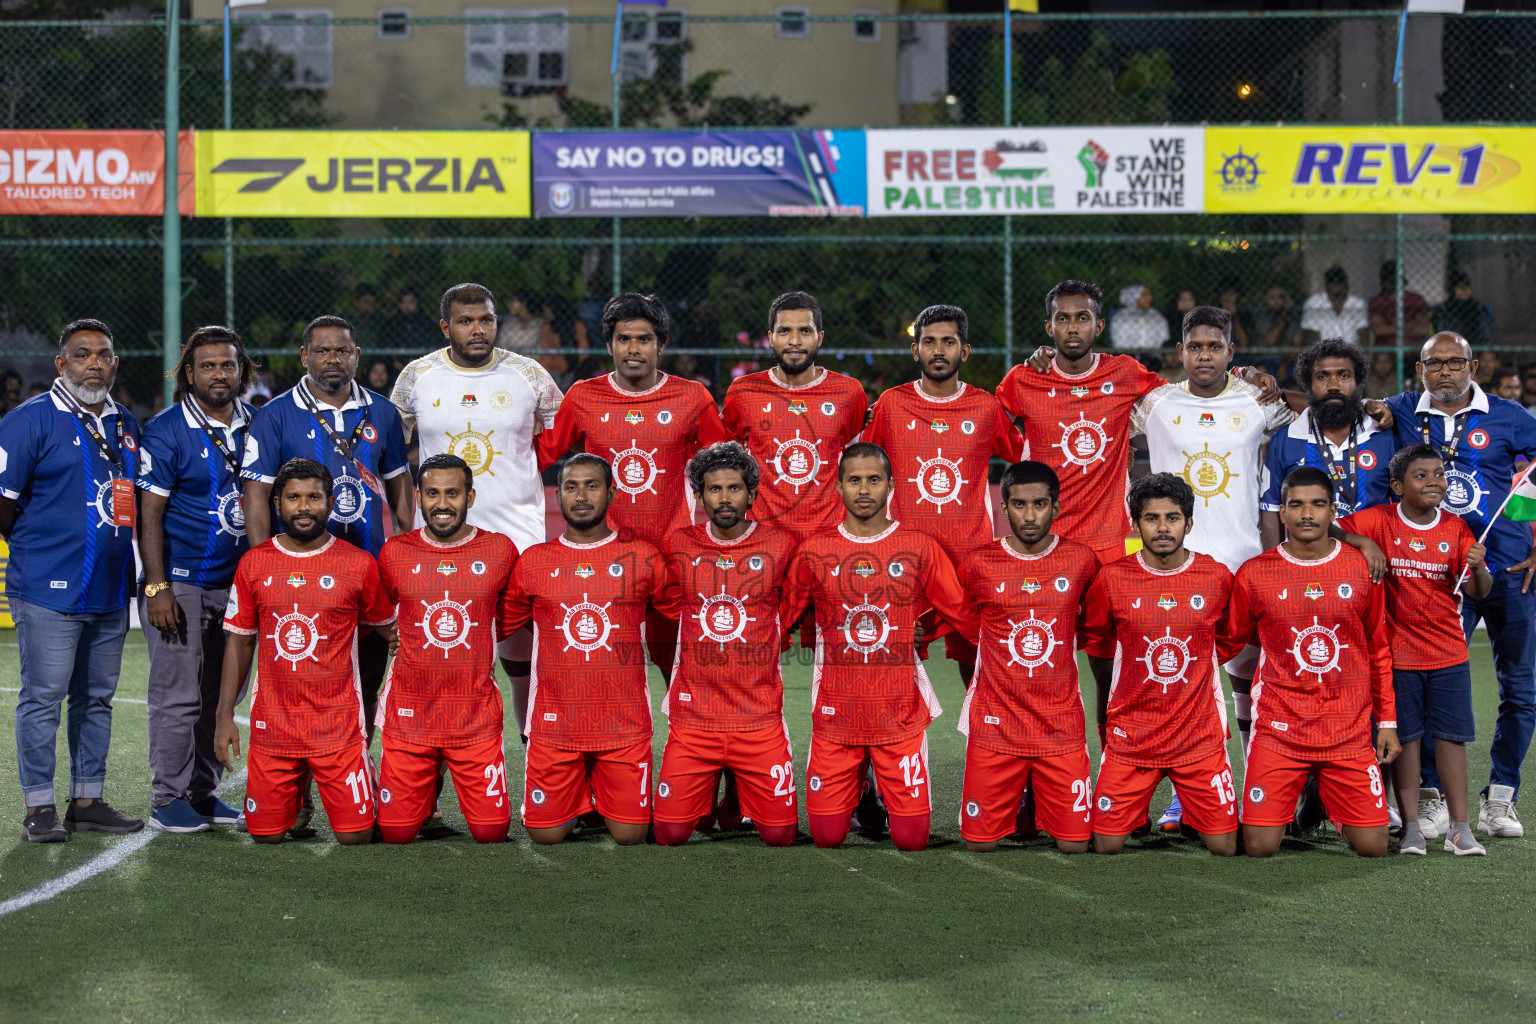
(1455, 364)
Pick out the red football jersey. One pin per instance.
(648, 437)
(869, 687)
(1025, 698)
(1326, 665)
(797, 434)
(939, 450)
(1166, 631)
(1081, 427)
(1427, 562)
(726, 597)
(441, 690)
(587, 603)
(305, 608)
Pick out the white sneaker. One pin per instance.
(1496, 815)
(1394, 821)
(1434, 816)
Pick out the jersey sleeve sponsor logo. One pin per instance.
(1316, 649)
(1167, 658)
(294, 638)
(939, 480)
(446, 624)
(474, 448)
(722, 618)
(586, 626)
(232, 606)
(1208, 474)
(146, 464)
(1031, 643)
(866, 627)
(796, 461)
(635, 470)
(1084, 442)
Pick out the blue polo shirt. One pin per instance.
(1494, 432)
(66, 554)
(204, 524)
(1297, 446)
(285, 429)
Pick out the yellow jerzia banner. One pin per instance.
(1328, 169)
(363, 174)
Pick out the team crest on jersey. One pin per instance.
(967, 427)
(939, 426)
(586, 626)
(1031, 643)
(1256, 794)
(133, 446)
(1316, 649)
(1236, 421)
(894, 570)
(447, 568)
(1445, 547)
(1207, 419)
(1416, 545)
(863, 568)
(866, 628)
(501, 401)
(1463, 493)
(1207, 473)
(1367, 460)
(724, 562)
(294, 638)
(1107, 388)
(296, 579)
(351, 503)
(755, 563)
(635, 470)
(446, 624)
(1478, 439)
(327, 582)
(1030, 585)
(469, 401)
(1062, 584)
(1084, 442)
(972, 809)
(229, 514)
(797, 407)
(1197, 601)
(584, 570)
(1080, 391)
(797, 461)
(1167, 658)
(477, 567)
(1345, 591)
(664, 417)
(1313, 591)
(938, 480)
(722, 618)
(475, 448)
(827, 408)
(1167, 602)
(615, 570)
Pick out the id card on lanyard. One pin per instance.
(123, 506)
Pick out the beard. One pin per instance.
(786, 369)
(83, 394)
(328, 388)
(305, 534)
(1453, 393)
(1333, 415)
(207, 398)
(586, 520)
(442, 532)
(940, 378)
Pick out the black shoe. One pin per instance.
(1310, 812)
(100, 816)
(42, 826)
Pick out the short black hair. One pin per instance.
(466, 294)
(212, 335)
(1072, 286)
(329, 320)
(1397, 469)
(1329, 348)
(300, 469)
(1305, 476)
(1029, 472)
(794, 300)
(939, 315)
(1160, 485)
(446, 460)
(1501, 373)
(863, 450)
(1335, 273)
(723, 455)
(586, 459)
(80, 326)
(1209, 316)
(634, 306)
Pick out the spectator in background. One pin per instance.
(1506, 384)
(1242, 319)
(520, 329)
(1335, 313)
(1172, 369)
(1488, 364)
(1528, 383)
(1383, 381)
(1383, 312)
(1274, 323)
(365, 308)
(1137, 327)
(409, 327)
(36, 389)
(1463, 314)
(378, 376)
(10, 391)
(686, 366)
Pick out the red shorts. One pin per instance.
(994, 784)
(760, 760)
(558, 785)
(960, 650)
(273, 789)
(1352, 789)
(1124, 793)
(835, 776)
(408, 781)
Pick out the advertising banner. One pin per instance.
(1329, 169)
(699, 174)
(116, 173)
(362, 174)
(966, 172)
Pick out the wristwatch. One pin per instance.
(151, 589)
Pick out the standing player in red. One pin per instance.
(298, 600)
(1154, 629)
(1325, 671)
(646, 424)
(440, 705)
(796, 418)
(941, 433)
(1023, 720)
(589, 715)
(870, 580)
(1431, 552)
(726, 703)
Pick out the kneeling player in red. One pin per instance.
(440, 703)
(313, 592)
(1023, 718)
(1154, 630)
(726, 702)
(870, 580)
(1326, 670)
(589, 716)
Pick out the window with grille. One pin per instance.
(302, 35)
(517, 52)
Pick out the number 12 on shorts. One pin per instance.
(912, 773)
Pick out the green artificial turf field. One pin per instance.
(209, 927)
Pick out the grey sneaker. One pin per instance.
(1496, 816)
(1460, 842)
(1413, 843)
(1434, 816)
(42, 826)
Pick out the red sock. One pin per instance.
(399, 833)
(910, 831)
(777, 835)
(496, 833)
(671, 833)
(829, 830)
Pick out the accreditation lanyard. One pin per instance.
(122, 487)
(1345, 477)
(1452, 440)
(231, 458)
(342, 448)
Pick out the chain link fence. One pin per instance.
(292, 70)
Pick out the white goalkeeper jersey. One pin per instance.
(487, 416)
(1217, 446)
